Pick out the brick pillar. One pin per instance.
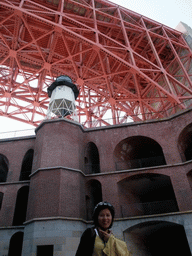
(182, 189)
(110, 192)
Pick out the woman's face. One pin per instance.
(104, 219)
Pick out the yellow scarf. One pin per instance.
(113, 247)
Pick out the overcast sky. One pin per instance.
(167, 12)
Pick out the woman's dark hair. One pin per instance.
(101, 206)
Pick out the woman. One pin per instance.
(99, 240)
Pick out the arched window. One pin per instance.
(21, 206)
(27, 165)
(138, 152)
(185, 143)
(157, 238)
(1, 199)
(15, 245)
(91, 160)
(4, 166)
(146, 194)
(93, 196)
(189, 176)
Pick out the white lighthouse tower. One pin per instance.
(63, 94)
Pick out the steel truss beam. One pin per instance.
(127, 67)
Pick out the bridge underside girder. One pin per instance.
(127, 67)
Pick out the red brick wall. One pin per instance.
(14, 150)
(57, 185)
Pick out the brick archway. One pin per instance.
(157, 238)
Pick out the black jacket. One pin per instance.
(87, 242)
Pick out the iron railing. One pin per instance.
(140, 163)
(149, 208)
(14, 134)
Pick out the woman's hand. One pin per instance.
(104, 234)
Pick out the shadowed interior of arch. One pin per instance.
(157, 238)
(138, 152)
(146, 194)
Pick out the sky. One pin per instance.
(167, 12)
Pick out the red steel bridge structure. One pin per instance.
(126, 66)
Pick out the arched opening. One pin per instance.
(157, 238)
(1, 199)
(93, 196)
(189, 176)
(15, 245)
(185, 143)
(4, 166)
(138, 152)
(21, 206)
(91, 159)
(146, 194)
(26, 165)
